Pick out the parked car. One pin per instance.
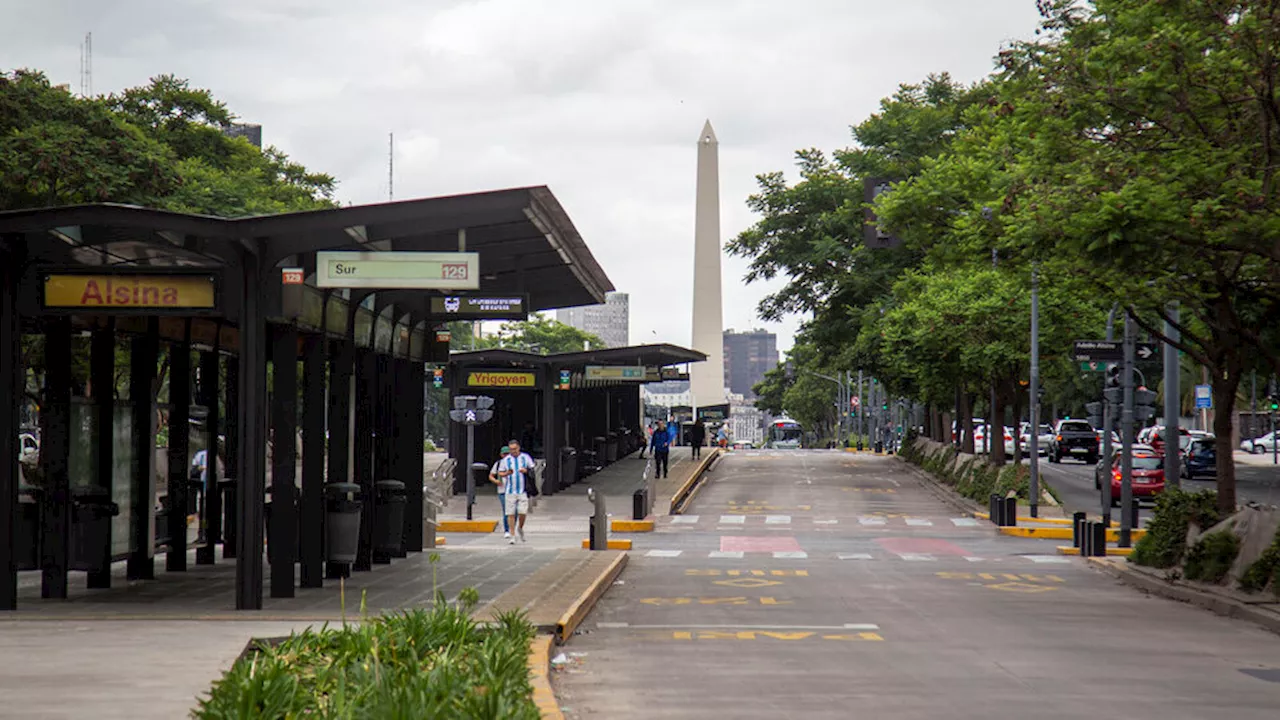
(1043, 439)
(1074, 438)
(1264, 444)
(1147, 478)
(1155, 437)
(1200, 458)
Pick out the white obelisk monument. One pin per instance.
(707, 378)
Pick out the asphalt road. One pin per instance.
(1073, 481)
(820, 584)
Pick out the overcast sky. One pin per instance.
(602, 100)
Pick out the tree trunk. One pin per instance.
(996, 440)
(1017, 419)
(1224, 403)
(966, 423)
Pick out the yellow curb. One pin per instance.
(540, 678)
(577, 612)
(1061, 533)
(613, 544)
(631, 526)
(441, 540)
(467, 526)
(1048, 521)
(684, 495)
(1068, 550)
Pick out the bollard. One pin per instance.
(995, 510)
(1133, 517)
(640, 504)
(1086, 538)
(1011, 511)
(1099, 540)
(1077, 528)
(598, 539)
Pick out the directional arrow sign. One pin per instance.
(1145, 351)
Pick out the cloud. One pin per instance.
(602, 101)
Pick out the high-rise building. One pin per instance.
(747, 357)
(609, 322)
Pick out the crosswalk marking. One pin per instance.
(919, 557)
(919, 522)
(879, 557)
(964, 522)
(971, 558)
(790, 555)
(825, 522)
(663, 553)
(777, 519)
(1046, 559)
(685, 519)
(729, 554)
(733, 519)
(871, 521)
(854, 556)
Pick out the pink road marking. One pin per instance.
(739, 543)
(921, 546)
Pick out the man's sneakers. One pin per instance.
(511, 541)
(506, 535)
(522, 536)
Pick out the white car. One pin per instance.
(1043, 438)
(1264, 444)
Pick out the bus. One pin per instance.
(785, 434)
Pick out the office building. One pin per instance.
(609, 322)
(747, 357)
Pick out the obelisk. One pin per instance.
(707, 378)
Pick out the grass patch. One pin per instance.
(1264, 571)
(1211, 557)
(1165, 543)
(424, 663)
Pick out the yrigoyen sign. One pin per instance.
(398, 270)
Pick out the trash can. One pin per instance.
(611, 448)
(639, 504)
(388, 519)
(27, 534)
(342, 522)
(568, 467)
(600, 445)
(295, 495)
(90, 537)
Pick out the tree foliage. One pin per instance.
(542, 335)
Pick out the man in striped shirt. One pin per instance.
(516, 473)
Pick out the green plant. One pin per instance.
(1211, 557)
(1166, 540)
(1265, 570)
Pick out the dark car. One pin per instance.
(1076, 439)
(1200, 458)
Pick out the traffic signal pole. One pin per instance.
(1126, 436)
(1108, 421)
(1034, 434)
(1172, 404)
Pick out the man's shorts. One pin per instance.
(517, 504)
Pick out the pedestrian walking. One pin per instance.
(661, 446)
(502, 495)
(516, 473)
(648, 437)
(697, 438)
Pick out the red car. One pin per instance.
(1147, 476)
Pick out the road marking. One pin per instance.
(919, 522)
(775, 635)
(847, 626)
(871, 521)
(971, 558)
(1047, 559)
(742, 573)
(684, 519)
(918, 557)
(730, 554)
(777, 519)
(854, 556)
(663, 553)
(733, 519)
(825, 522)
(791, 555)
(964, 522)
(763, 544)
(747, 582)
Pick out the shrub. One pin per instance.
(1166, 540)
(435, 663)
(1265, 570)
(1211, 557)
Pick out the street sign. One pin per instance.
(1145, 352)
(566, 379)
(1097, 350)
(1093, 366)
(1204, 397)
(399, 270)
(615, 372)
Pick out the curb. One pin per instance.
(1062, 533)
(466, 526)
(685, 494)
(1111, 551)
(540, 678)
(577, 612)
(631, 526)
(1043, 520)
(1224, 606)
(944, 493)
(620, 544)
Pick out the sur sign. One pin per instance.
(114, 293)
(398, 270)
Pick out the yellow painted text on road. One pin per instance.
(747, 582)
(770, 635)
(747, 573)
(886, 491)
(1008, 582)
(660, 601)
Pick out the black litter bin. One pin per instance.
(26, 536)
(295, 496)
(640, 504)
(600, 446)
(388, 519)
(91, 513)
(342, 522)
(568, 467)
(611, 448)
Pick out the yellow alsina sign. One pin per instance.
(500, 379)
(121, 292)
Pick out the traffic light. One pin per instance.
(1112, 390)
(1095, 413)
(1144, 404)
(437, 377)
(1113, 375)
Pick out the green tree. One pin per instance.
(542, 335)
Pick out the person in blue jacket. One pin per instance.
(661, 446)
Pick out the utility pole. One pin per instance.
(1126, 436)
(1172, 403)
(1034, 434)
(391, 166)
(1108, 420)
(860, 410)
